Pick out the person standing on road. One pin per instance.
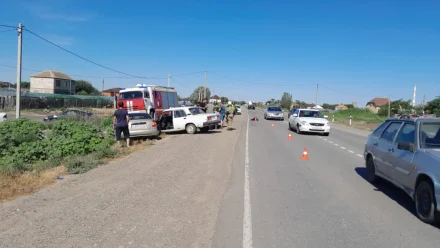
(230, 111)
(120, 124)
(202, 105)
(222, 114)
(210, 108)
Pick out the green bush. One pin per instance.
(80, 164)
(357, 114)
(26, 145)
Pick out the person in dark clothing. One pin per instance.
(120, 123)
(203, 105)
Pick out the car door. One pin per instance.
(402, 159)
(385, 146)
(293, 118)
(179, 119)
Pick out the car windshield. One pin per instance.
(271, 109)
(139, 116)
(308, 113)
(430, 135)
(194, 111)
(130, 95)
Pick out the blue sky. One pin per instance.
(355, 50)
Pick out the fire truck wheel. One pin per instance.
(191, 129)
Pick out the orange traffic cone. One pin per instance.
(289, 137)
(305, 156)
(273, 125)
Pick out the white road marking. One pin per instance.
(350, 151)
(247, 216)
(336, 144)
(359, 155)
(330, 142)
(343, 148)
(325, 139)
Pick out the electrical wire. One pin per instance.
(75, 75)
(184, 74)
(88, 60)
(8, 30)
(8, 26)
(246, 81)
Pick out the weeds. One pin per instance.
(79, 165)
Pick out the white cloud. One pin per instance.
(51, 11)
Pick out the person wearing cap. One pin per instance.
(230, 111)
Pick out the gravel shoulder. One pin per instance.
(166, 196)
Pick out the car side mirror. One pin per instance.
(294, 115)
(325, 116)
(406, 146)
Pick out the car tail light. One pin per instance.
(154, 123)
(209, 118)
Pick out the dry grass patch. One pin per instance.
(13, 185)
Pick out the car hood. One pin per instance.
(313, 120)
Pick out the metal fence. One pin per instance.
(40, 100)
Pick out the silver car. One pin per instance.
(141, 124)
(274, 112)
(406, 152)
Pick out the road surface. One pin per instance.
(321, 202)
(243, 188)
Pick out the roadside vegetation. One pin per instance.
(34, 153)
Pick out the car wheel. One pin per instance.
(297, 129)
(282, 119)
(371, 171)
(290, 127)
(204, 129)
(191, 129)
(425, 203)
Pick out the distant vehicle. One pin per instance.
(251, 105)
(189, 119)
(291, 112)
(141, 124)
(274, 112)
(152, 98)
(3, 116)
(406, 152)
(66, 113)
(309, 120)
(238, 110)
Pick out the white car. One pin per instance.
(187, 118)
(3, 116)
(238, 110)
(309, 120)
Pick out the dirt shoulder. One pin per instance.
(165, 196)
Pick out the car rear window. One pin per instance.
(430, 135)
(274, 109)
(139, 116)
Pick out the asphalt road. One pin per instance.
(321, 202)
(242, 188)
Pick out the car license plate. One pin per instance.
(214, 118)
(140, 126)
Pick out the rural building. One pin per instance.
(214, 99)
(341, 107)
(52, 82)
(111, 92)
(375, 104)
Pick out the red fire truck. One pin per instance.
(152, 98)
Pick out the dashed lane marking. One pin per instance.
(359, 155)
(350, 151)
(343, 148)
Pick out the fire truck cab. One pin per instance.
(151, 98)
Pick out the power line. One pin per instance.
(8, 30)
(184, 74)
(351, 94)
(83, 58)
(8, 26)
(84, 76)
(246, 81)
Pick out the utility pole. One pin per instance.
(102, 92)
(205, 85)
(389, 106)
(18, 86)
(317, 88)
(424, 100)
(169, 78)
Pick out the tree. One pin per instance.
(397, 106)
(199, 93)
(25, 85)
(434, 106)
(224, 99)
(85, 88)
(286, 100)
(179, 98)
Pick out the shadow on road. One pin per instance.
(392, 192)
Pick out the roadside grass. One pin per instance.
(34, 153)
(361, 118)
